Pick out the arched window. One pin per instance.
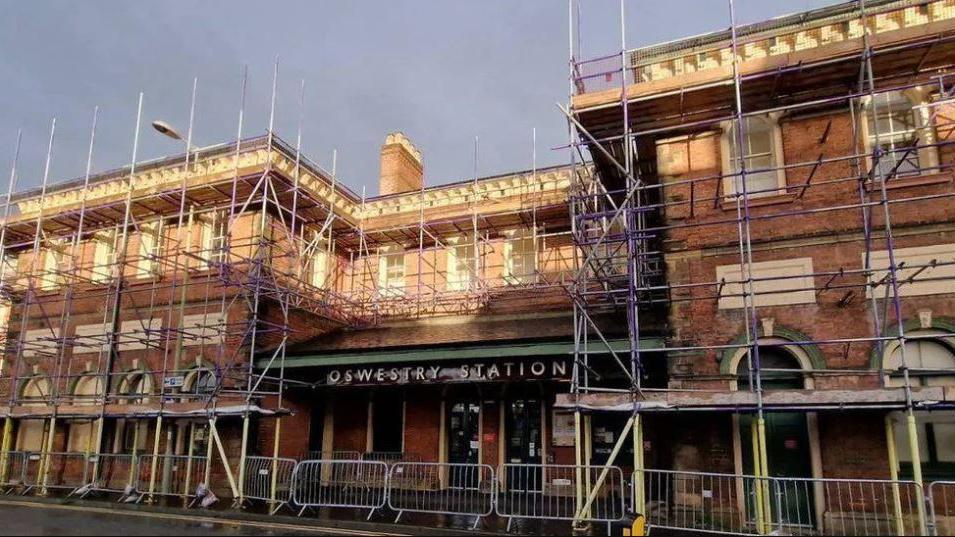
(200, 381)
(931, 361)
(761, 152)
(897, 123)
(930, 357)
(87, 389)
(36, 391)
(779, 370)
(136, 387)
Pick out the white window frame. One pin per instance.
(214, 233)
(318, 261)
(52, 277)
(104, 256)
(390, 283)
(925, 131)
(150, 246)
(516, 272)
(461, 264)
(730, 157)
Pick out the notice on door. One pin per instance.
(563, 433)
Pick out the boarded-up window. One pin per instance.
(139, 334)
(40, 342)
(775, 283)
(921, 270)
(203, 329)
(91, 338)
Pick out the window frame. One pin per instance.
(729, 157)
(919, 100)
(514, 237)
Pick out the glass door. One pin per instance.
(464, 443)
(523, 448)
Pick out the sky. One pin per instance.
(444, 72)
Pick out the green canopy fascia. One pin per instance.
(440, 353)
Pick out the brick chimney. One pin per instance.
(401, 167)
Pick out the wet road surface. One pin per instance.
(17, 518)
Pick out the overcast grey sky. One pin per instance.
(442, 71)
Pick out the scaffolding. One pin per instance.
(152, 294)
(631, 221)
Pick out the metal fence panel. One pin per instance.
(442, 488)
(16, 467)
(941, 503)
(548, 491)
(268, 479)
(113, 471)
(701, 501)
(336, 483)
(67, 470)
(803, 506)
(176, 475)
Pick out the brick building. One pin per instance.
(759, 282)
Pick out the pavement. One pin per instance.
(54, 517)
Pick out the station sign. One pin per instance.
(498, 370)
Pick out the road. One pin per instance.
(18, 518)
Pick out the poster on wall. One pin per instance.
(563, 433)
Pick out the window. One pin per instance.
(391, 273)
(138, 334)
(318, 262)
(104, 246)
(90, 338)
(931, 362)
(387, 425)
(896, 124)
(761, 153)
(52, 265)
(461, 265)
(30, 432)
(150, 248)
(136, 388)
(779, 370)
(200, 381)
(87, 389)
(520, 256)
(203, 329)
(775, 283)
(40, 342)
(920, 270)
(8, 267)
(215, 232)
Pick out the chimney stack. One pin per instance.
(401, 167)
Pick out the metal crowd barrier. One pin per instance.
(112, 472)
(848, 506)
(941, 503)
(746, 504)
(14, 475)
(66, 470)
(549, 491)
(269, 480)
(441, 488)
(390, 457)
(700, 501)
(331, 483)
(176, 475)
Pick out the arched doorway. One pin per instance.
(930, 357)
(35, 392)
(790, 446)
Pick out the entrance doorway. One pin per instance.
(463, 440)
(524, 444)
(787, 438)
